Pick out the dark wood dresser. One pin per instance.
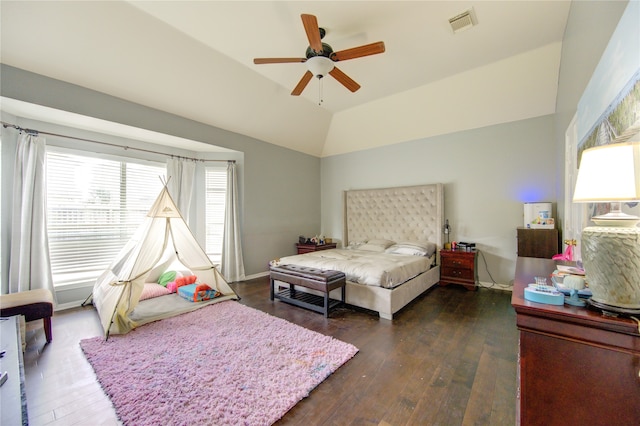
(306, 248)
(458, 267)
(544, 243)
(576, 366)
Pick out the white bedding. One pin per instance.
(364, 267)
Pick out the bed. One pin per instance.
(384, 229)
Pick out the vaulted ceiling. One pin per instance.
(195, 59)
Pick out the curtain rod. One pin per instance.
(37, 132)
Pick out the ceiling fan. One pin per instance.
(320, 57)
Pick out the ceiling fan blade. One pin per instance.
(259, 61)
(358, 52)
(313, 32)
(344, 79)
(306, 78)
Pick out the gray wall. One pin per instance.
(280, 188)
(488, 173)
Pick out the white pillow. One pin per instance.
(413, 248)
(371, 247)
(381, 242)
(376, 245)
(353, 245)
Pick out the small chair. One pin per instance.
(33, 304)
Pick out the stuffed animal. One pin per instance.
(206, 293)
(189, 279)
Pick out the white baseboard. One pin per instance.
(69, 305)
(496, 286)
(254, 276)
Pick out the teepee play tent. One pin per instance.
(162, 242)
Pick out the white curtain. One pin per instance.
(232, 261)
(181, 174)
(29, 267)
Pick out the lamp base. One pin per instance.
(616, 217)
(615, 310)
(622, 221)
(611, 258)
(573, 299)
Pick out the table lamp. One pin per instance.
(611, 248)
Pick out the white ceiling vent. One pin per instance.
(463, 21)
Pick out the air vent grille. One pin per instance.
(462, 21)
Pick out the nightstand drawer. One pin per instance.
(461, 262)
(460, 273)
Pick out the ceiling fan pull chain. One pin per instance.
(320, 100)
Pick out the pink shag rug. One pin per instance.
(224, 364)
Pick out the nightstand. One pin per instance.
(306, 248)
(458, 267)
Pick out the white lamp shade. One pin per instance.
(609, 173)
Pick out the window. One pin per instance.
(94, 206)
(216, 189)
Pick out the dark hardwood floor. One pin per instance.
(449, 358)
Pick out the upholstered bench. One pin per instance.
(311, 278)
(33, 304)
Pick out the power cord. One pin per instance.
(493, 281)
(486, 267)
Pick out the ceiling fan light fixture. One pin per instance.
(319, 66)
(320, 58)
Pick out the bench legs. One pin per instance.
(305, 300)
(326, 304)
(33, 305)
(326, 301)
(271, 291)
(47, 328)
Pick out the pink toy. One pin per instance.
(568, 253)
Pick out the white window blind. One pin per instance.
(94, 205)
(216, 189)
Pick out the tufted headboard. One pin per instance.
(407, 213)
